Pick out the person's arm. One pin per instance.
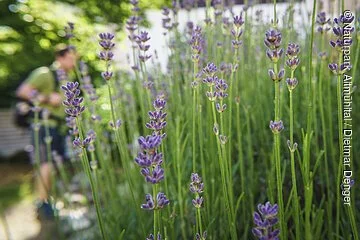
(36, 81)
(26, 90)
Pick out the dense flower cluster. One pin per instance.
(292, 62)
(157, 117)
(265, 220)
(150, 158)
(197, 187)
(106, 54)
(197, 43)
(272, 42)
(236, 32)
(142, 40)
(323, 22)
(73, 101)
(220, 90)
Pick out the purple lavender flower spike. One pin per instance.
(322, 21)
(265, 220)
(196, 185)
(276, 126)
(72, 101)
(106, 41)
(197, 43)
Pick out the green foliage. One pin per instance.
(29, 30)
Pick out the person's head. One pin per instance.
(66, 56)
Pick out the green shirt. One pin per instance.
(43, 80)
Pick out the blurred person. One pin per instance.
(45, 82)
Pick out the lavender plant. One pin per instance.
(74, 109)
(150, 160)
(273, 41)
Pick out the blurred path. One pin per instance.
(22, 222)
(17, 200)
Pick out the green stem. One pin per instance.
(155, 212)
(283, 228)
(308, 179)
(324, 134)
(293, 171)
(87, 169)
(223, 178)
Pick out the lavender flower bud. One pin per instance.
(238, 21)
(223, 139)
(292, 50)
(276, 126)
(149, 205)
(210, 69)
(293, 63)
(291, 83)
(273, 38)
(162, 201)
(197, 202)
(216, 129)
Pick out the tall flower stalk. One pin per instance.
(150, 159)
(74, 109)
(274, 52)
(236, 33)
(217, 92)
(323, 28)
(293, 62)
(196, 43)
(106, 55)
(342, 24)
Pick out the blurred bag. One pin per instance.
(23, 113)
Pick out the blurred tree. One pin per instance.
(30, 28)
